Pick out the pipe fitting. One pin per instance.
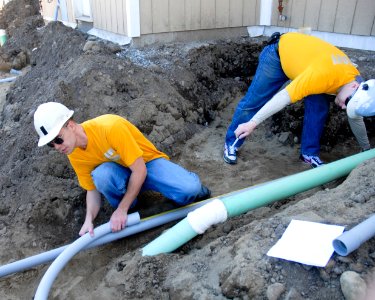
(210, 214)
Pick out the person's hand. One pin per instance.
(87, 227)
(245, 129)
(340, 102)
(118, 219)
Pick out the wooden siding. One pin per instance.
(364, 18)
(355, 17)
(48, 10)
(110, 15)
(159, 16)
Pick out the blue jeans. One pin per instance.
(269, 78)
(164, 176)
(316, 112)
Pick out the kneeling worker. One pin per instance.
(112, 157)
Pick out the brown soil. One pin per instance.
(182, 96)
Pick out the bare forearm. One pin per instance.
(135, 183)
(92, 205)
(92, 210)
(136, 180)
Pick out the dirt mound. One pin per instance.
(14, 13)
(182, 97)
(20, 19)
(229, 261)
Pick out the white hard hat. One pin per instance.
(363, 101)
(49, 118)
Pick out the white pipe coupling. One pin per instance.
(204, 217)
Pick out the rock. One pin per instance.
(344, 259)
(227, 228)
(5, 66)
(293, 294)
(3, 230)
(357, 267)
(89, 45)
(275, 290)
(20, 61)
(285, 138)
(352, 286)
(323, 275)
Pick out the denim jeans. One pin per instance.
(316, 112)
(269, 78)
(164, 176)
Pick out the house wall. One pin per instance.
(160, 16)
(355, 17)
(3, 2)
(110, 15)
(48, 10)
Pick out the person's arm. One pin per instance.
(92, 210)
(136, 180)
(358, 128)
(277, 103)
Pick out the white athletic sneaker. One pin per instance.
(313, 160)
(230, 155)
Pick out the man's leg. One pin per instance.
(111, 180)
(268, 79)
(316, 112)
(174, 182)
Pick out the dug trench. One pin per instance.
(182, 97)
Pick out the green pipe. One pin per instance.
(242, 201)
(179, 234)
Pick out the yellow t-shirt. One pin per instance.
(313, 65)
(110, 138)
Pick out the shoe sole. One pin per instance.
(311, 165)
(228, 161)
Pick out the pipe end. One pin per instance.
(340, 247)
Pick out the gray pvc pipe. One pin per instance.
(355, 237)
(145, 224)
(15, 72)
(60, 262)
(9, 79)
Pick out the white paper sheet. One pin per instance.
(307, 243)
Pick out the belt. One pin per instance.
(274, 39)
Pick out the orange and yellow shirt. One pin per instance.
(110, 138)
(313, 65)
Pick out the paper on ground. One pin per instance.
(307, 243)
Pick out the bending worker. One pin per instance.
(112, 157)
(315, 68)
